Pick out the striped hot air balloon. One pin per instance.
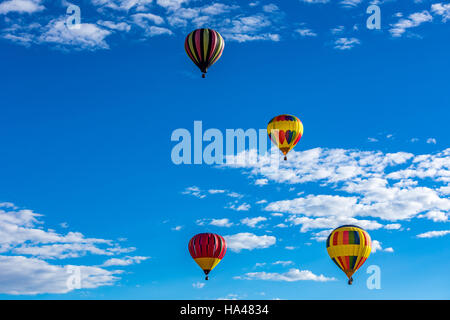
(204, 47)
(207, 249)
(285, 131)
(349, 247)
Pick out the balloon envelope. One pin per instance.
(285, 131)
(207, 249)
(204, 47)
(349, 247)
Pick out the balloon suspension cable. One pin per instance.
(350, 281)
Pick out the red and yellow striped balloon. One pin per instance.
(207, 249)
(285, 131)
(204, 47)
(349, 247)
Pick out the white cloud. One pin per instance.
(331, 222)
(436, 216)
(221, 222)
(248, 241)
(241, 207)
(216, 191)
(171, 4)
(393, 226)
(26, 244)
(350, 3)
(337, 30)
(252, 222)
(29, 276)
(305, 32)
(433, 234)
(442, 10)
(270, 8)
(194, 191)
(376, 246)
(143, 19)
(198, 285)
(371, 184)
(315, 1)
(413, 20)
(283, 263)
(127, 261)
(261, 182)
(431, 141)
(235, 195)
(345, 43)
(119, 26)
(123, 5)
(281, 225)
(21, 6)
(289, 276)
(88, 37)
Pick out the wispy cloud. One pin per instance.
(346, 43)
(414, 20)
(290, 276)
(433, 234)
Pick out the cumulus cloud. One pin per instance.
(248, 241)
(88, 36)
(441, 9)
(225, 222)
(25, 247)
(376, 246)
(371, 189)
(252, 222)
(21, 275)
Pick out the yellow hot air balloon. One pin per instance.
(349, 247)
(285, 131)
(207, 249)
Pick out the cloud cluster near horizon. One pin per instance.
(32, 258)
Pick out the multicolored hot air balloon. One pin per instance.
(204, 47)
(207, 249)
(349, 247)
(285, 131)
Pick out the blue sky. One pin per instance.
(86, 170)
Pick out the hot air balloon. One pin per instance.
(349, 247)
(204, 47)
(285, 131)
(207, 249)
